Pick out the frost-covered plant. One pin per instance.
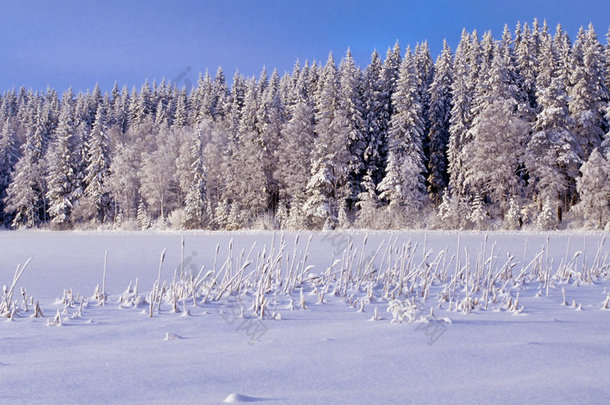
(402, 310)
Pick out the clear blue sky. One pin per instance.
(78, 43)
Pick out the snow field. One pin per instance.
(288, 319)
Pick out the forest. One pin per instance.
(509, 133)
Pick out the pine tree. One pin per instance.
(60, 175)
(98, 167)
(553, 154)
(23, 194)
(8, 159)
(404, 181)
(181, 114)
(326, 189)
(588, 91)
(461, 119)
(389, 78)
(439, 116)
(141, 106)
(527, 62)
(424, 67)
(220, 93)
(246, 181)
(270, 118)
(350, 102)
(375, 124)
(195, 184)
(234, 104)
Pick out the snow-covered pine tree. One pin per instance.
(594, 191)
(120, 110)
(389, 77)
(526, 53)
(234, 104)
(8, 159)
(350, 102)
(246, 182)
(203, 99)
(404, 181)
(194, 184)
(23, 194)
(98, 168)
(60, 169)
(270, 118)
(326, 188)
(375, 127)
(220, 93)
(439, 116)
(140, 108)
(552, 156)
(462, 91)
(181, 116)
(562, 48)
(424, 68)
(587, 91)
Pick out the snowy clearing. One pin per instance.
(318, 318)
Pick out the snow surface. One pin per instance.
(329, 353)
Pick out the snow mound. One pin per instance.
(172, 336)
(236, 398)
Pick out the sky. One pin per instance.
(79, 43)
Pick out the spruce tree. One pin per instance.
(60, 175)
(588, 92)
(404, 181)
(8, 159)
(98, 168)
(439, 116)
(351, 104)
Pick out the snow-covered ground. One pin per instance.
(524, 347)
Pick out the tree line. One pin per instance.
(497, 134)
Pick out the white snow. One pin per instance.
(535, 350)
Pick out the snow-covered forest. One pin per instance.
(504, 133)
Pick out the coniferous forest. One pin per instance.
(504, 133)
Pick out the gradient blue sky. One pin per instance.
(78, 43)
